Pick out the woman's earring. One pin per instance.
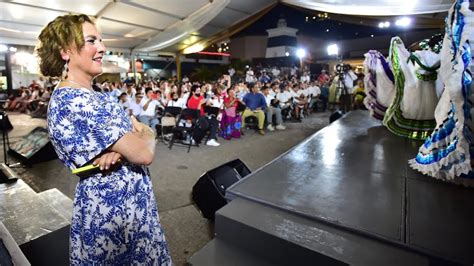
(65, 70)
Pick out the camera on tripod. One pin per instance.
(342, 68)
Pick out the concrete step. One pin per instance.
(283, 238)
(218, 252)
(58, 201)
(25, 214)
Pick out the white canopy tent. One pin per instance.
(140, 25)
(375, 7)
(171, 26)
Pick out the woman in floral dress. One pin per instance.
(115, 218)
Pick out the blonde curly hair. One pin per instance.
(62, 33)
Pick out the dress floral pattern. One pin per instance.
(115, 217)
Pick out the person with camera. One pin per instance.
(149, 114)
(348, 78)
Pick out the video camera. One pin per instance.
(342, 68)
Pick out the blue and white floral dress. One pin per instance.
(115, 217)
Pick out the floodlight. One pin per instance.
(193, 49)
(403, 22)
(301, 53)
(333, 49)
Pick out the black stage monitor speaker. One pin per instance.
(335, 116)
(209, 191)
(33, 148)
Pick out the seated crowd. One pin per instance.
(33, 99)
(267, 99)
(225, 107)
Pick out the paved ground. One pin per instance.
(174, 172)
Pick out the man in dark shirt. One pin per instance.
(256, 105)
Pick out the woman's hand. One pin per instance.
(142, 129)
(107, 160)
(137, 126)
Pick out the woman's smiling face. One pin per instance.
(88, 60)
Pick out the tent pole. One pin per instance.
(134, 68)
(178, 66)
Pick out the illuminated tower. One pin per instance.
(281, 40)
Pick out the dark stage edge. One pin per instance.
(351, 184)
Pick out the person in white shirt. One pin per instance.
(148, 115)
(293, 70)
(275, 72)
(313, 92)
(250, 76)
(115, 93)
(216, 101)
(134, 107)
(124, 101)
(346, 96)
(176, 101)
(349, 78)
(305, 78)
(241, 90)
(273, 108)
(130, 90)
(300, 101)
(231, 71)
(284, 97)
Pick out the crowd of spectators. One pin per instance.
(265, 98)
(32, 100)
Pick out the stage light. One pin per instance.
(403, 22)
(3, 48)
(287, 54)
(385, 24)
(333, 49)
(300, 53)
(193, 49)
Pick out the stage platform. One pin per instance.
(346, 196)
(36, 223)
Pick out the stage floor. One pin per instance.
(354, 175)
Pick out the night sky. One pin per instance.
(296, 18)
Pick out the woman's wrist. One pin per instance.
(147, 132)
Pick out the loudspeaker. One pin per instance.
(335, 116)
(209, 191)
(34, 147)
(39, 251)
